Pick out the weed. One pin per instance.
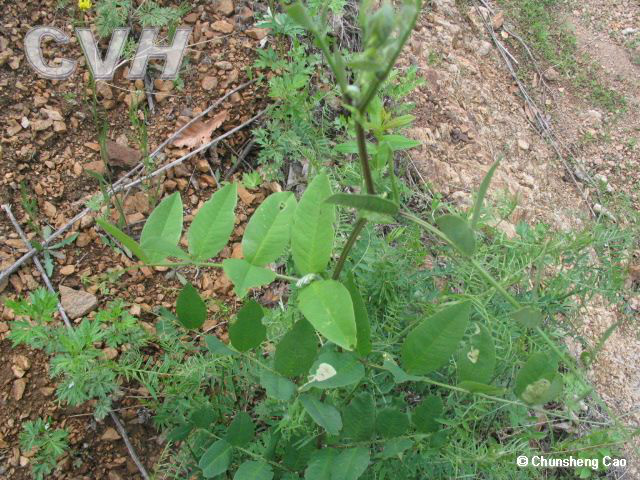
(49, 445)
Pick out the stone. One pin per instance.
(110, 435)
(68, 270)
(18, 389)
(222, 26)
(225, 7)
(49, 209)
(257, 33)
(121, 155)
(523, 144)
(77, 303)
(110, 353)
(209, 83)
(484, 49)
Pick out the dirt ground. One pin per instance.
(49, 146)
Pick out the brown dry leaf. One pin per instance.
(200, 132)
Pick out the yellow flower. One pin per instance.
(84, 4)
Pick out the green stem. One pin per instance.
(364, 158)
(355, 233)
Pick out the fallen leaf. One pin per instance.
(199, 133)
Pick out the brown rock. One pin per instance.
(110, 353)
(40, 125)
(224, 7)
(245, 196)
(104, 90)
(68, 270)
(222, 26)
(121, 155)
(49, 209)
(18, 389)
(209, 82)
(97, 166)
(110, 435)
(77, 303)
(257, 33)
(83, 240)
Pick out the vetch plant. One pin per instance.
(335, 395)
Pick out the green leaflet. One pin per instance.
(369, 203)
(321, 464)
(477, 359)
(328, 307)
(213, 224)
(363, 327)
(161, 248)
(241, 430)
(247, 331)
(216, 459)
(312, 232)
(400, 142)
(348, 369)
(297, 350)
(391, 422)
(359, 418)
(482, 192)
(252, 470)
(459, 232)
(528, 317)
(325, 415)
(165, 222)
(538, 381)
(267, 234)
(395, 447)
(350, 464)
(430, 345)
(215, 346)
(203, 416)
(277, 387)
(128, 242)
(191, 310)
(425, 414)
(245, 275)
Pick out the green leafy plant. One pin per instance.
(49, 445)
(322, 344)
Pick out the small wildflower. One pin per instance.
(84, 4)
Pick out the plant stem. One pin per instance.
(347, 248)
(364, 159)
